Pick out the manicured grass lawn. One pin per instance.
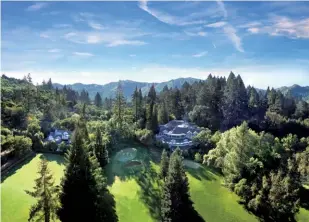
(136, 191)
(213, 201)
(16, 203)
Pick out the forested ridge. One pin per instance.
(258, 140)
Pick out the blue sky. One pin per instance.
(267, 43)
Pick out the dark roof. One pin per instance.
(180, 130)
(179, 127)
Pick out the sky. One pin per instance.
(267, 43)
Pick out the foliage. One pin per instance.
(145, 136)
(176, 204)
(198, 157)
(204, 139)
(45, 191)
(164, 165)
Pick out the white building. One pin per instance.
(177, 133)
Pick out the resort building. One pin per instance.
(59, 136)
(178, 133)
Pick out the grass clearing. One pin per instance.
(15, 202)
(136, 190)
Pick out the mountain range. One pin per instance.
(128, 86)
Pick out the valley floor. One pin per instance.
(135, 188)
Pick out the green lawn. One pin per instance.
(16, 203)
(213, 201)
(136, 191)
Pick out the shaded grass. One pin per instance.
(136, 192)
(213, 201)
(15, 202)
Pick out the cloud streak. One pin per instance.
(83, 54)
(169, 19)
(36, 6)
(283, 26)
(201, 54)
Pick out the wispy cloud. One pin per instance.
(222, 8)
(228, 29)
(126, 42)
(132, 55)
(203, 34)
(62, 25)
(44, 35)
(83, 54)
(54, 50)
(216, 24)
(37, 6)
(230, 32)
(283, 26)
(96, 25)
(201, 54)
(170, 19)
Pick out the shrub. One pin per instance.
(5, 131)
(198, 157)
(64, 147)
(51, 145)
(144, 136)
(22, 145)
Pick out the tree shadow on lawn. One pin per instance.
(15, 168)
(150, 192)
(201, 173)
(304, 198)
(58, 158)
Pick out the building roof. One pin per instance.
(178, 127)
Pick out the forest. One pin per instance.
(257, 140)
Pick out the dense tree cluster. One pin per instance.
(176, 204)
(263, 170)
(257, 139)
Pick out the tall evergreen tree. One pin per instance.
(77, 205)
(98, 100)
(235, 102)
(164, 165)
(45, 191)
(101, 150)
(49, 84)
(163, 114)
(152, 118)
(176, 204)
(119, 106)
(177, 107)
(137, 104)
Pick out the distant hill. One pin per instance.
(128, 87)
(297, 91)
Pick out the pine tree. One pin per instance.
(119, 106)
(49, 84)
(101, 150)
(152, 117)
(235, 102)
(105, 203)
(163, 114)
(77, 205)
(154, 121)
(45, 191)
(164, 165)
(176, 204)
(98, 100)
(29, 93)
(177, 107)
(137, 104)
